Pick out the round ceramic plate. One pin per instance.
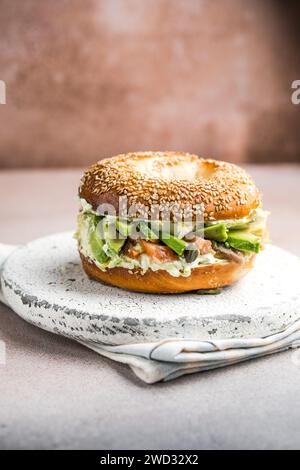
(45, 284)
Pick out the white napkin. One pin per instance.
(171, 358)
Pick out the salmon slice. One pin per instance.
(159, 253)
(204, 246)
(130, 251)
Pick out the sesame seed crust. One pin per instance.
(222, 190)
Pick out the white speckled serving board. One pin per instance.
(45, 284)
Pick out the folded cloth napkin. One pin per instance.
(171, 358)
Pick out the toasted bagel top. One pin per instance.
(221, 189)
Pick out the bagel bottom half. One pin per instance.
(161, 282)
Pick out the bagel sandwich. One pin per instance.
(168, 222)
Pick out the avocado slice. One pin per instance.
(147, 232)
(216, 232)
(238, 224)
(102, 244)
(115, 245)
(94, 219)
(244, 241)
(176, 244)
(123, 227)
(97, 248)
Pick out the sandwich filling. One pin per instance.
(178, 248)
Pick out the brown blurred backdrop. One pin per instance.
(91, 78)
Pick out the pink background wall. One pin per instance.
(91, 78)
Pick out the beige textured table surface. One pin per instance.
(56, 394)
